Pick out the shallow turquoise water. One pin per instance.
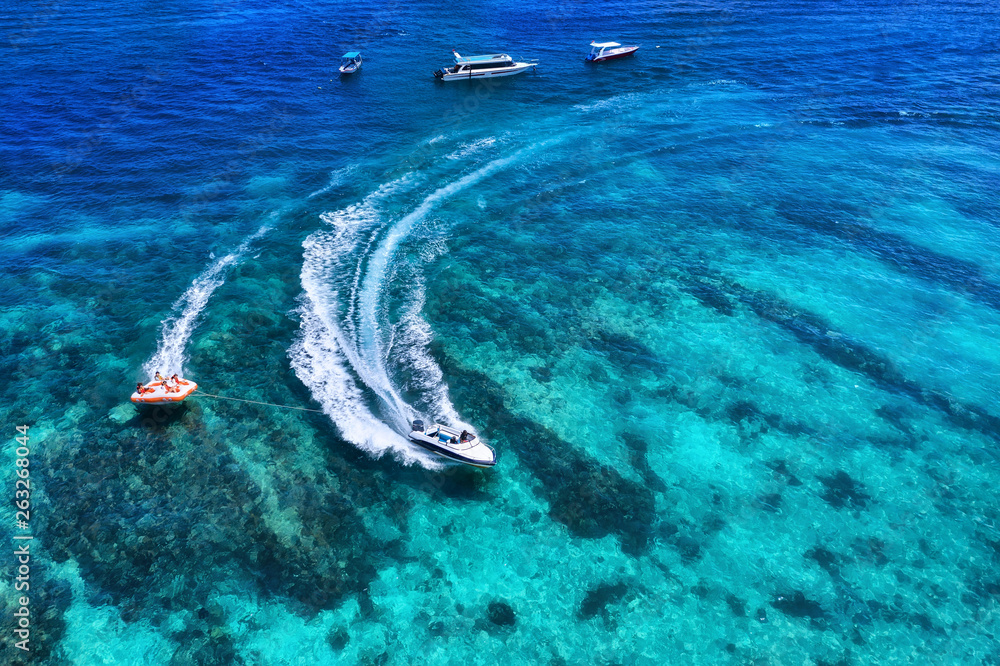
(726, 310)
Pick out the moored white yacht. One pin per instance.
(464, 447)
(482, 67)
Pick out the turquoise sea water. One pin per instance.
(727, 311)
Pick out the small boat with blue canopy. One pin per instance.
(352, 62)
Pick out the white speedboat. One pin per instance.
(482, 67)
(599, 52)
(464, 447)
(352, 62)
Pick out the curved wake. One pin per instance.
(370, 342)
(348, 352)
(169, 357)
(324, 348)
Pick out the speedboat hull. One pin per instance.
(349, 69)
(448, 443)
(612, 54)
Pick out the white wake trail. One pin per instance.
(411, 344)
(337, 178)
(341, 353)
(169, 357)
(370, 344)
(324, 351)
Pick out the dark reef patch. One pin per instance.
(501, 614)
(870, 550)
(895, 612)
(144, 521)
(842, 490)
(688, 547)
(736, 605)
(781, 467)
(797, 605)
(747, 415)
(638, 450)
(771, 502)
(599, 598)
(960, 276)
(338, 639)
(591, 499)
(711, 296)
(201, 649)
(840, 349)
(827, 560)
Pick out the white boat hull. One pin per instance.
(612, 54)
(447, 443)
(448, 75)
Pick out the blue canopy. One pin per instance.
(480, 58)
(352, 54)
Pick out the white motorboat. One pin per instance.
(482, 67)
(464, 447)
(599, 52)
(352, 62)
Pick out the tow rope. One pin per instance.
(256, 402)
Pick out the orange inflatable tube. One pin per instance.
(164, 392)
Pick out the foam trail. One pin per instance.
(319, 362)
(339, 353)
(472, 148)
(412, 339)
(337, 178)
(370, 348)
(169, 356)
(323, 350)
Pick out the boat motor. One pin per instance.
(418, 426)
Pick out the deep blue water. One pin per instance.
(727, 310)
